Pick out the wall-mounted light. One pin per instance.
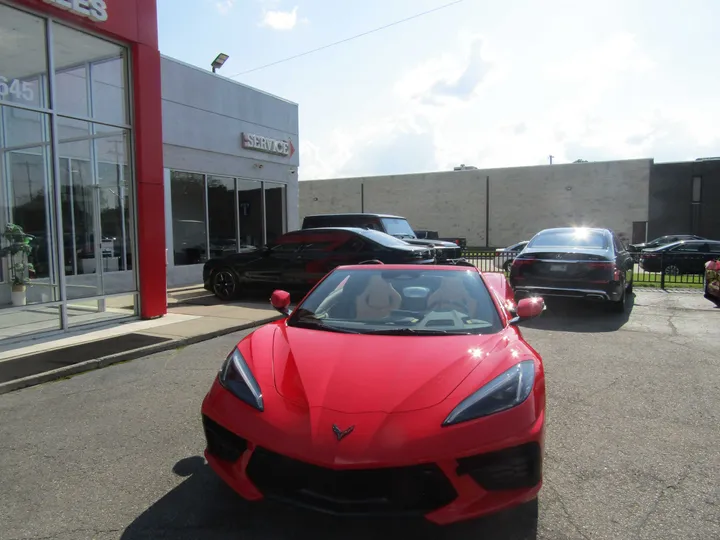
(219, 61)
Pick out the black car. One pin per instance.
(662, 241)
(575, 262)
(296, 261)
(396, 226)
(684, 257)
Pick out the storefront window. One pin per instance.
(275, 210)
(23, 58)
(93, 232)
(221, 216)
(187, 193)
(80, 58)
(250, 213)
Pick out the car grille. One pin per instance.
(444, 254)
(399, 490)
(222, 443)
(514, 468)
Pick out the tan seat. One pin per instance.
(452, 294)
(377, 301)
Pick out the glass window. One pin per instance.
(572, 238)
(442, 302)
(23, 58)
(187, 194)
(696, 188)
(275, 210)
(384, 239)
(26, 197)
(221, 216)
(79, 58)
(251, 214)
(398, 227)
(689, 248)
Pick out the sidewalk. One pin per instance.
(193, 315)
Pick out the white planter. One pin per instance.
(19, 298)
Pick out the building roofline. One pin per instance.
(227, 79)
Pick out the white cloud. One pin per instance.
(280, 20)
(468, 105)
(224, 6)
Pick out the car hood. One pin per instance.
(353, 373)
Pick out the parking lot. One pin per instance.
(633, 445)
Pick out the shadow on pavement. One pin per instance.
(204, 507)
(572, 315)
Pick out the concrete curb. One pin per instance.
(134, 354)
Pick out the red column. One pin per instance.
(149, 180)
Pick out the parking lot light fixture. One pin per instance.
(219, 61)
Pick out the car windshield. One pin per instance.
(575, 238)
(398, 227)
(419, 301)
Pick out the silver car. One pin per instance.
(504, 256)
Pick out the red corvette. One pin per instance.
(389, 390)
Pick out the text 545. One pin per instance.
(21, 90)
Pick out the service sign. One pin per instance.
(95, 10)
(278, 147)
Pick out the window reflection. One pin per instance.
(80, 58)
(187, 192)
(275, 210)
(221, 216)
(250, 213)
(23, 62)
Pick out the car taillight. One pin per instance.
(522, 262)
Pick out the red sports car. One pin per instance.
(390, 389)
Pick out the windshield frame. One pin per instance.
(487, 320)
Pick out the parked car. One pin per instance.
(505, 256)
(396, 226)
(684, 257)
(711, 280)
(434, 235)
(388, 390)
(575, 262)
(662, 241)
(299, 259)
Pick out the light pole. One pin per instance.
(219, 61)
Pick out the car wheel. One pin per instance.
(629, 287)
(507, 265)
(672, 270)
(225, 284)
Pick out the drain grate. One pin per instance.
(33, 364)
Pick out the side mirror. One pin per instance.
(528, 308)
(280, 300)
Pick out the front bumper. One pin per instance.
(484, 475)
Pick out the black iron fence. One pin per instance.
(663, 270)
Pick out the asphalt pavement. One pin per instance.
(633, 444)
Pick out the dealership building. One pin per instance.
(121, 170)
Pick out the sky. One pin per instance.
(480, 82)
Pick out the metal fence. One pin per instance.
(666, 271)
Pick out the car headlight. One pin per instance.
(504, 392)
(235, 376)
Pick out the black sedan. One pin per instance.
(574, 262)
(297, 260)
(685, 257)
(663, 241)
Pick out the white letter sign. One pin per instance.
(95, 10)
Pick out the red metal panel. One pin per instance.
(149, 175)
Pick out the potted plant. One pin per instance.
(18, 248)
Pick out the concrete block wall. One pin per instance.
(522, 200)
